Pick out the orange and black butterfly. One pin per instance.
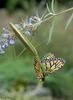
(52, 63)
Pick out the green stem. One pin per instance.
(62, 12)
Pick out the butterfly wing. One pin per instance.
(47, 56)
(54, 64)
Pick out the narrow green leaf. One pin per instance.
(69, 21)
(21, 52)
(48, 8)
(24, 40)
(52, 6)
(51, 32)
(30, 47)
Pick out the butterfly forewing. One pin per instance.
(54, 64)
(47, 57)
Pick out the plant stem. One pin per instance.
(62, 12)
(28, 45)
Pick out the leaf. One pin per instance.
(48, 8)
(52, 6)
(51, 32)
(24, 40)
(21, 52)
(69, 21)
(30, 47)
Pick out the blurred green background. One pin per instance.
(18, 71)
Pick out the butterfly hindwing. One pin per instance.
(52, 63)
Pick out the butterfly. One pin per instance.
(52, 63)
